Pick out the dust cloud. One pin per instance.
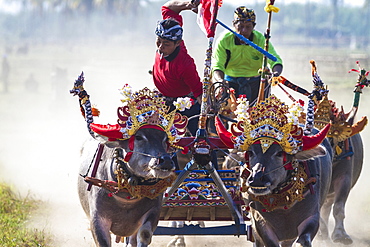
(42, 129)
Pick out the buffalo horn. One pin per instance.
(310, 142)
(110, 131)
(225, 136)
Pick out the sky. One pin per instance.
(14, 7)
(277, 2)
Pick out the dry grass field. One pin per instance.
(42, 130)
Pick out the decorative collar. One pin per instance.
(287, 194)
(135, 186)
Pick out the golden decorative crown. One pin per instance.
(340, 129)
(148, 108)
(268, 122)
(323, 113)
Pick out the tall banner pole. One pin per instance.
(201, 133)
(269, 8)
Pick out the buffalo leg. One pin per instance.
(325, 214)
(287, 243)
(132, 241)
(342, 187)
(307, 230)
(145, 233)
(266, 237)
(100, 231)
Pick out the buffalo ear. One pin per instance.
(116, 144)
(318, 151)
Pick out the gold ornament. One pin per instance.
(340, 129)
(146, 107)
(288, 195)
(323, 113)
(142, 190)
(268, 123)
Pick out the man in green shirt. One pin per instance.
(237, 63)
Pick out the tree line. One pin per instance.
(305, 23)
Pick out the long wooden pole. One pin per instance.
(264, 72)
(201, 133)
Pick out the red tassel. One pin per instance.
(131, 143)
(288, 166)
(128, 156)
(185, 150)
(110, 194)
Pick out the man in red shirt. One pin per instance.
(174, 71)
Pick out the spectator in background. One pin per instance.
(5, 73)
(31, 85)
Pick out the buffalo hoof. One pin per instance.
(342, 238)
(178, 241)
(322, 236)
(172, 243)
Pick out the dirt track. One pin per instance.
(42, 133)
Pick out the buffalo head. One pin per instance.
(271, 169)
(146, 152)
(272, 140)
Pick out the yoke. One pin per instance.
(205, 194)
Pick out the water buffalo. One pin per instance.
(131, 164)
(120, 212)
(346, 172)
(348, 152)
(287, 175)
(268, 178)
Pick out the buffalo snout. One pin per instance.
(165, 163)
(258, 178)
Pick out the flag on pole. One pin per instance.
(207, 13)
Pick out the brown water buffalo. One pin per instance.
(118, 211)
(346, 171)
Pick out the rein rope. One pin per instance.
(295, 163)
(91, 163)
(137, 187)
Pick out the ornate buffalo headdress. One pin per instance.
(144, 109)
(342, 126)
(341, 129)
(270, 121)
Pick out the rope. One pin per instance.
(88, 169)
